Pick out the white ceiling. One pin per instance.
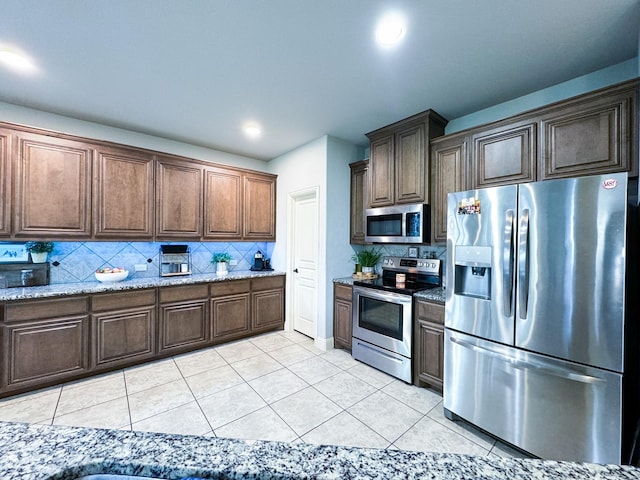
(197, 70)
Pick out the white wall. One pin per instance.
(300, 169)
(586, 83)
(322, 163)
(338, 217)
(36, 118)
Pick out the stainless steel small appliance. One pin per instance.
(24, 274)
(383, 313)
(398, 224)
(175, 260)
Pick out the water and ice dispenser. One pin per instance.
(472, 271)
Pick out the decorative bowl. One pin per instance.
(112, 276)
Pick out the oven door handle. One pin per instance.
(382, 295)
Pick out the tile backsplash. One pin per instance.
(397, 250)
(77, 261)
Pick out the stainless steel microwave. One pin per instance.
(398, 224)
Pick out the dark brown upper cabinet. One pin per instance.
(594, 134)
(504, 155)
(5, 183)
(52, 181)
(123, 194)
(179, 188)
(359, 200)
(399, 160)
(259, 207)
(448, 175)
(223, 204)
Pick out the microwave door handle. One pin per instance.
(507, 264)
(523, 264)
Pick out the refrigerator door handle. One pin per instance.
(523, 264)
(539, 367)
(507, 262)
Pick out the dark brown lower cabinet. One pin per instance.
(428, 344)
(183, 317)
(230, 310)
(44, 342)
(123, 326)
(342, 319)
(267, 303)
(49, 341)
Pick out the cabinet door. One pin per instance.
(183, 325)
(342, 324)
(267, 310)
(431, 354)
(411, 164)
(448, 173)
(381, 171)
(223, 204)
(5, 183)
(593, 136)
(53, 187)
(123, 194)
(123, 336)
(259, 207)
(178, 199)
(230, 317)
(358, 201)
(36, 353)
(503, 156)
(429, 348)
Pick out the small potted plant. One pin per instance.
(39, 250)
(367, 259)
(221, 260)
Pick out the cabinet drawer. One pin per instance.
(430, 312)
(120, 300)
(343, 292)
(219, 289)
(41, 309)
(267, 283)
(179, 294)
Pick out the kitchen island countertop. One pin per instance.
(81, 288)
(40, 452)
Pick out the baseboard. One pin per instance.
(324, 344)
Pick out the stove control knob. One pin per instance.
(420, 264)
(433, 265)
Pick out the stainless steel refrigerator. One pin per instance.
(540, 339)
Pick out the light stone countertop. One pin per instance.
(65, 289)
(42, 452)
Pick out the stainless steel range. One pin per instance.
(383, 313)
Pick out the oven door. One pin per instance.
(383, 319)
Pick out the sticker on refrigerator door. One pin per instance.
(609, 183)
(469, 206)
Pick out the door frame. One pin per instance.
(292, 198)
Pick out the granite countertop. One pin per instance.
(40, 452)
(436, 295)
(64, 289)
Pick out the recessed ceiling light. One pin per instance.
(252, 130)
(390, 29)
(16, 61)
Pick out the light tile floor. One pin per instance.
(276, 386)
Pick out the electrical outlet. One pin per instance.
(141, 267)
(233, 263)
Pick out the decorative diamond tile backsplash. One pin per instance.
(77, 261)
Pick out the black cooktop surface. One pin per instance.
(409, 287)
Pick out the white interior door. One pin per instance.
(304, 260)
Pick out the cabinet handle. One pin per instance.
(295, 270)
